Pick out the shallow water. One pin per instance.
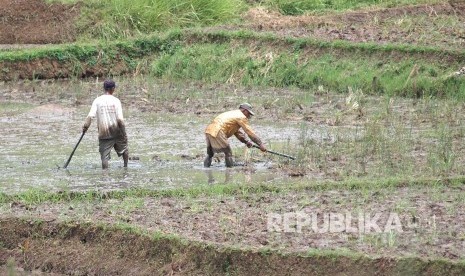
(165, 151)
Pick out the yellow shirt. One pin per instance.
(230, 122)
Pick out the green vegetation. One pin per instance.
(131, 195)
(382, 146)
(11, 108)
(372, 74)
(297, 7)
(113, 19)
(220, 57)
(254, 59)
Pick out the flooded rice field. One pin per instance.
(166, 149)
(334, 137)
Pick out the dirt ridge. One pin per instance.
(87, 249)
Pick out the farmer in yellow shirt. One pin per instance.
(226, 125)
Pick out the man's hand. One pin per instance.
(249, 144)
(262, 148)
(87, 123)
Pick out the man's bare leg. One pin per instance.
(126, 158)
(208, 160)
(228, 157)
(104, 164)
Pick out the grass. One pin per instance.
(358, 137)
(131, 202)
(370, 74)
(383, 145)
(227, 58)
(13, 108)
(377, 153)
(113, 19)
(298, 7)
(377, 244)
(427, 30)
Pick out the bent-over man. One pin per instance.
(110, 123)
(226, 125)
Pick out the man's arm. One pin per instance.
(246, 127)
(119, 111)
(87, 123)
(241, 137)
(90, 116)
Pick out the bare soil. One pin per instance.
(430, 219)
(36, 22)
(77, 238)
(377, 26)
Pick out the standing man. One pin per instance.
(224, 126)
(110, 123)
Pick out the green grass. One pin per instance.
(116, 19)
(130, 197)
(13, 108)
(298, 7)
(385, 142)
(228, 57)
(113, 19)
(372, 74)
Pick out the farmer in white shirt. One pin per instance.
(110, 122)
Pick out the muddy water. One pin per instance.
(166, 151)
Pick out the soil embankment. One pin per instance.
(76, 249)
(27, 22)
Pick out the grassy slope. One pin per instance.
(279, 62)
(303, 63)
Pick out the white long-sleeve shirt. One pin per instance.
(108, 110)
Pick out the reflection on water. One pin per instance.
(211, 177)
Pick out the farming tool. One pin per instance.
(276, 153)
(72, 153)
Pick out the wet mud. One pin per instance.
(332, 140)
(39, 138)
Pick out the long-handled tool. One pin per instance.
(276, 153)
(72, 153)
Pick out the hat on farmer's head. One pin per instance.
(109, 84)
(247, 107)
